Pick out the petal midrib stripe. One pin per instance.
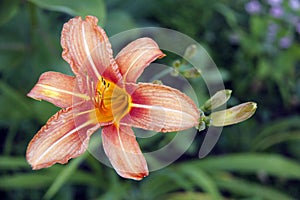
(159, 108)
(75, 130)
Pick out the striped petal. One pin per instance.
(124, 152)
(56, 88)
(136, 56)
(59, 140)
(87, 49)
(160, 108)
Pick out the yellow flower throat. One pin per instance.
(112, 103)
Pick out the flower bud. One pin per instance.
(176, 64)
(218, 99)
(190, 51)
(157, 82)
(233, 115)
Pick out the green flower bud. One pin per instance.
(191, 73)
(176, 63)
(233, 115)
(157, 82)
(218, 99)
(190, 51)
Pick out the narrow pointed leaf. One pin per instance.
(248, 163)
(249, 189)
(75, 8)
(12, 163)
(202, 180)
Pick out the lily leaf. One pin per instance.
(13, 99)
(272, 164)
(8, 9)
(66, 173)
(248, 189)
(25, 181)
(202, 180)
(12, 163)
(74, 8)
(188, 195)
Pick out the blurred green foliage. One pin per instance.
(259, 51)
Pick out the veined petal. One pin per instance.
(87, 49)
(56, 88)
(136, 56)
(59, 140)
(87, 112)
(124, 152)
(160, 108)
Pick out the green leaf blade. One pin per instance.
(75, 8)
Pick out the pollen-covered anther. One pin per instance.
(112, 103)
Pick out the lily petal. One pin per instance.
(59, 140)
(87, 49)
(136, 56)
(124, 152)
(160, 108)
(56, 88)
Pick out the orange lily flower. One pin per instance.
(104, 94)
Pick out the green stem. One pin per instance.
(9, 140)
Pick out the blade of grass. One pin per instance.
(13, 127)
(158, 184)
(201, 179)
(75, 8)
(278, 126)
(22, 181)
(63, 177)
(66, 173)
(13, 163)
(272, 164)
(248, 189)
(188, 195)
(276, 139)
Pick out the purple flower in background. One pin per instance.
(294, 4)
(293, 19)
(272, 32)
(253, 7)
(274, 2)
(273, 29)
(276, 11)
(285, 42)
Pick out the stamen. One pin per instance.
(112, 102)
(84, 112)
